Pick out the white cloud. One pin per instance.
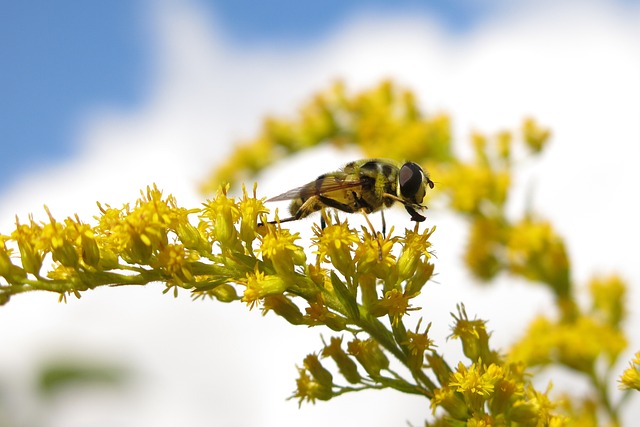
(574, 67)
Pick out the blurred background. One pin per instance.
(98, 101)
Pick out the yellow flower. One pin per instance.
(173, 260)
(31, 245)
(277, 246)
(415, 246)
(485, 241)
(535, 136)
(373, 255)
(222, 213)
(536, 346)
(419, 342)
(474, 337)
(139, 232)
(535, 409)
(308, 389)
(577, 344)
(471, 381)
(83, 237)
(630, 378)
(396, 305)
(250, 210)
(6, 266)
(319, 314)
(481, 420)
(260, 285)
(470, 186)
(335, 243)
(608, 296)
(538, 253)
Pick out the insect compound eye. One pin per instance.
(411, 178)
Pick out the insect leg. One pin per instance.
(384, 225)
(336, 205)
(415, 216)
(375, 233)
(291, 218)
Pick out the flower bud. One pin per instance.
(66, 254)
(90, 251)
(407, 263)
(5, 262)
(370, 356)
(319, 372)
(283, 307)
(190, 237)
(31, 259)
(224, 293)
(423, 272)
(346, 365)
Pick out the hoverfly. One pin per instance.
(366, 186)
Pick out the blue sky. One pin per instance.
(60, 59)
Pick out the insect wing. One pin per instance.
(321, 186)
(291, 194)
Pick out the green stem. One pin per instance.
(380, 333)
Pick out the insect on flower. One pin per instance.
(368, 185)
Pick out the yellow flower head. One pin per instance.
(308, 389)
(470, 186)
(419, 342)
(278, 246)
(538, 253)
(31, 245)
(260, 285)
(415, 247)
(250, 210)
(335, 243)
(630, 378)
(472, 381)
(474, 337)
(396, 305)
(535, 136)
(373, 254)
(608, 296)
(222, 213)
(139, 232)
(173, 260)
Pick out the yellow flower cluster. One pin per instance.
(488, 391)
(580, 339)
(383, 122)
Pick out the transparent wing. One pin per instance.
(321, 186)
(291, 194)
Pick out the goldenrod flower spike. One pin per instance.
(356, 281)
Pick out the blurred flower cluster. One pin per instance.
(359, 283)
